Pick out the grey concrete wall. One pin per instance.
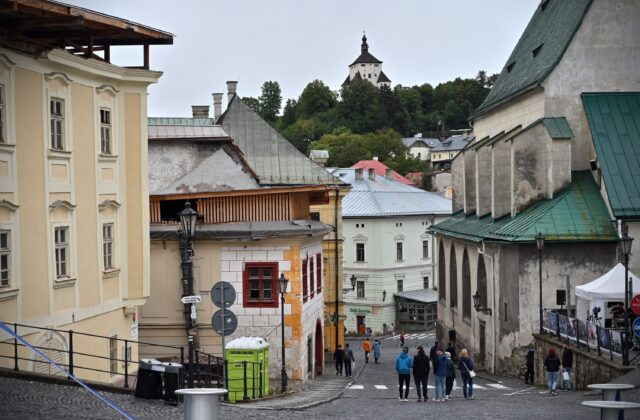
(602, 57)
(559, 174)
(483, 181)
(500, 179)
(529, 167)
(469, 181)
(457, 175)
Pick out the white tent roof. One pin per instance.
(247, 343)
(608, 287)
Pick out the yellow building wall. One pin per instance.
(47, 188)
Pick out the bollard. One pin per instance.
(201, 403)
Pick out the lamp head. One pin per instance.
(353, 281)
(282, 284)
(188, 218)
(540, 241)
(476, 300)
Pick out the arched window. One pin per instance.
(442, 285)
(466, 286)
(482, 282)
(453, 278)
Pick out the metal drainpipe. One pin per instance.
(337, 277)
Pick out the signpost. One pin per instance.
(635, 304)
(224, 322)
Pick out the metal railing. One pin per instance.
(588, 334)
(209, 370)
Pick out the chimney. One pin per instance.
(231, 89)
(418, 135)
(387, 173)
(200, 111)
(217, 105)
(375, 158)
(372, 173)
(358, 174)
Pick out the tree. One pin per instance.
(289, 115)
(316, 98)
(252, 103)
(270, 101)
(394, 114)
(360, 109)
(302, 132)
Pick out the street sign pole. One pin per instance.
(224, 355)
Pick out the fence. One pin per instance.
(588, 334)
(208, 369)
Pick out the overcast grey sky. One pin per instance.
(296, 41)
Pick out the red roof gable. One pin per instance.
(380, 169)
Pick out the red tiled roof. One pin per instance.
(415, 177)
(380, 169)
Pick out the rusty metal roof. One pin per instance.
(213, 132)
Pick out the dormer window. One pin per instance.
(544, 5)
(536, 50)
(510, 67)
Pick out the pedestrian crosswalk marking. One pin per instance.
(478, 387)
(381, 387)
(356, 387)
(413, 336)
(455, 387)
(498, 386)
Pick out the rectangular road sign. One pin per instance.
(191, 299)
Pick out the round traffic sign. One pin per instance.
(635, 304)
(224, 322)
(636, 327)
(223, 295)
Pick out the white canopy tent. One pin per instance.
(607, 288)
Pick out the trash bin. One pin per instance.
(254, 351)
(172, 376)
(149, 382)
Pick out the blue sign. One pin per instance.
(636, 327)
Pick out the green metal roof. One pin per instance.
(614, 122)
(179, 121)
(538, 51)
(577, 214)
(558, 128)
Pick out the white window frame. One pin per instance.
(108, 246)
(360, 289)
(399, 251)
(400, 285)
(425, 249)
(59, 246)
(5, 251)
(57, 122)
(106, 138)
(364, 253)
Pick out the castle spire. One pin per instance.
(364, 47)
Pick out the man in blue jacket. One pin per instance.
(404, 363)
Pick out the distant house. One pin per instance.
(250, 234)
(546, 153)
(415, 178)
(388, 250)
(367, 67)
(443, 153)
(380, 169)
(420, 147)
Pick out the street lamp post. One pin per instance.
(540, 245)
(188, 220)
(625, 245)
(282, 288)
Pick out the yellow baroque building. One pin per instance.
(74, 206)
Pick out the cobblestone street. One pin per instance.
(371, 394)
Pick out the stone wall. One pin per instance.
(588, 367)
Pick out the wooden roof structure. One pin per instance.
(37, 26)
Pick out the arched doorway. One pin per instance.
(319, 349)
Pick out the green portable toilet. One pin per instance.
(255, 352)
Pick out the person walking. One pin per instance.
(441, 370)
(404, 363)
(528, 376)
(421, 373)
(401, 338)
(433, 352)
(451, 375)
(366, 346)
(552, 363)
(338, 357)
(452, 352)
(348, 359)
(465, 364)
(567, 365)
(377, 346)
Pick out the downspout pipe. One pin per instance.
(337, 260)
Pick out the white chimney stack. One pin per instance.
(231, 89)
(372, 173)
(387, 173)
(200, 111)
(358, 174)
(217, 105)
